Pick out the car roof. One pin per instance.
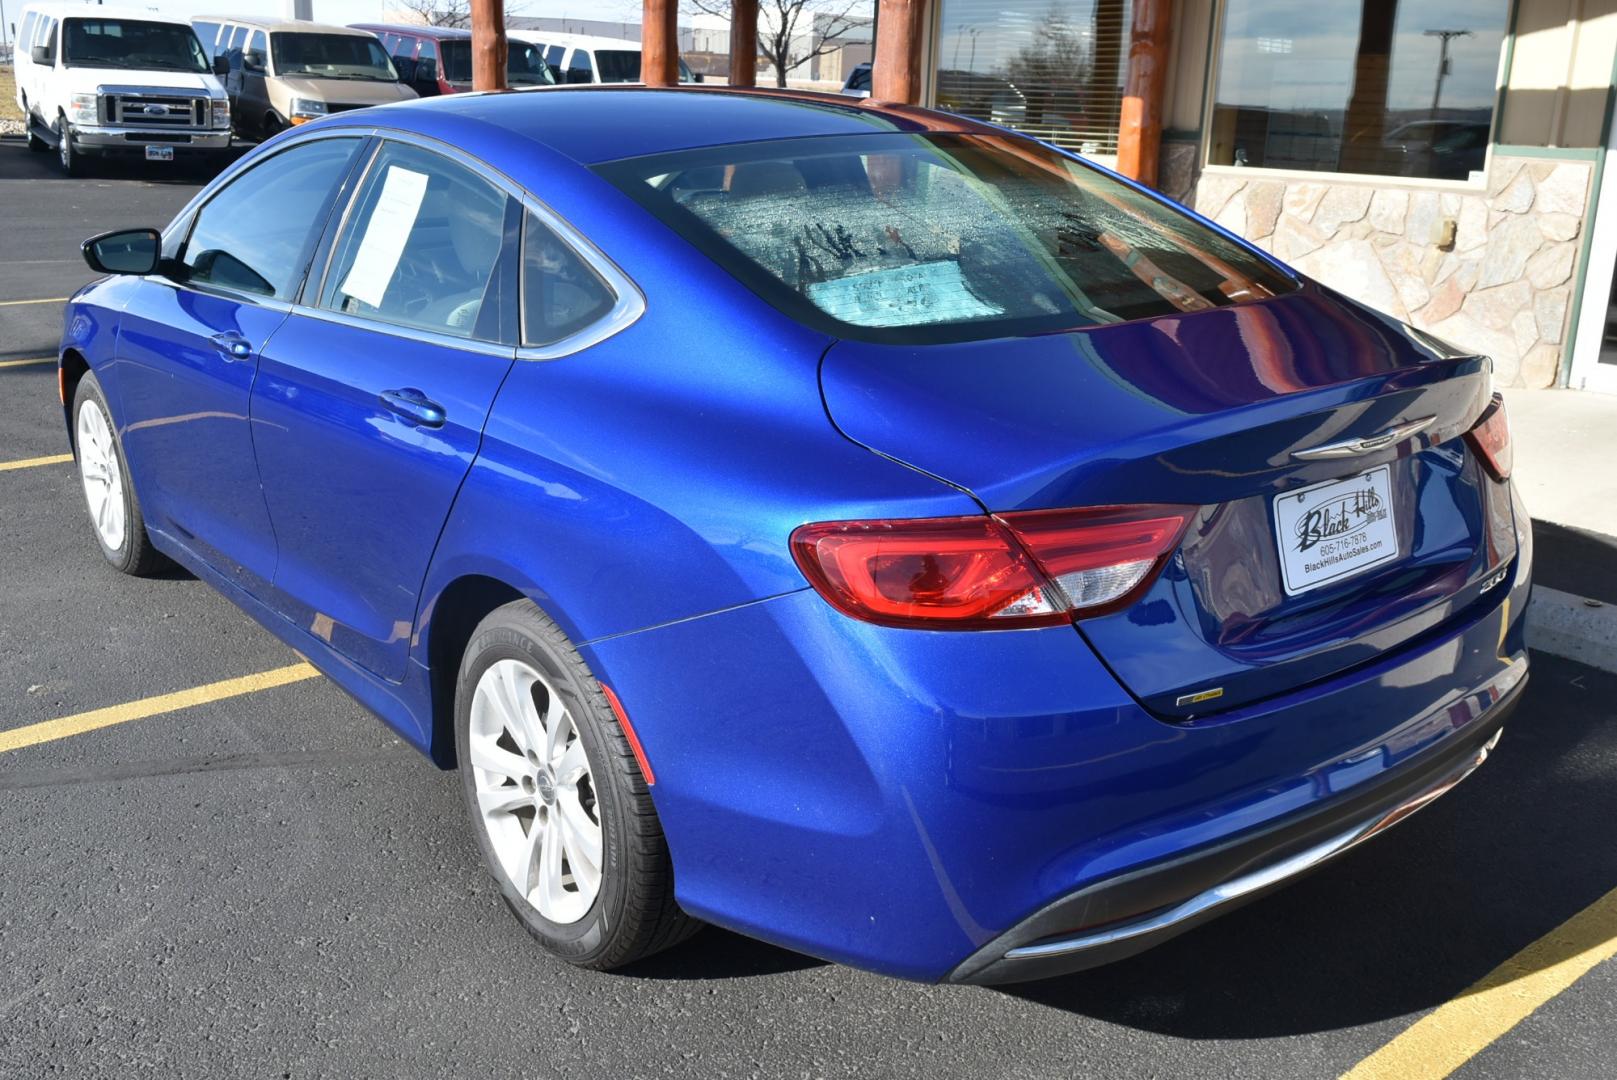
(93, 11)
(587, 41)
(439, 33)
(282, 25)
(597, 123)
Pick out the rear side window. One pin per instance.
(618, 65)
(916, 238)
(423, 247)
(578, 67)
(207, 33)
(25, 39)
(553, 55)
(255, 235)
(561, 294)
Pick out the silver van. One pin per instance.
(279, 74)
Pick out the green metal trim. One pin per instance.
(1557, 153)
(1177, 135)
(1563, 377)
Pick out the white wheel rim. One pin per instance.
(102, 478)
(535, 794)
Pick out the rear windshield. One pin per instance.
(332, 56)
(921, 238)
(128, 43)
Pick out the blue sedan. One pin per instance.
(856, 526)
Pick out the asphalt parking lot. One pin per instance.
(270, 884)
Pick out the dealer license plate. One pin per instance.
(159, 153)
(1334, 530)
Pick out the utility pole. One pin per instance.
(1443, 64)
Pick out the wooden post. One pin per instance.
(1139, 130)
(659, 43)
(896, 68)
(488, 44)
(744, 43)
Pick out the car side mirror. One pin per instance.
(697, 76)
(125, 251)
(40, 54)
(221, 65)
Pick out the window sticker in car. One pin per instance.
(901, 296)
(385, 234)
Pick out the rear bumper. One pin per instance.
(1175, 896)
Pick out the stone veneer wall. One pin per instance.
(1490, 271)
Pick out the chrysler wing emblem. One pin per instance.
(1369, 444)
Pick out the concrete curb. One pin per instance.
(1574, 627)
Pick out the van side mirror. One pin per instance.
(40, 54)
(405, 68)
(221, 65)
(697, 76)
(124, 251)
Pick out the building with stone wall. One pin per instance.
(1441, 161)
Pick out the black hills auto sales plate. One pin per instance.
(1332, 530)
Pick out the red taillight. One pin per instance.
(1490, 438)
(1012, 570)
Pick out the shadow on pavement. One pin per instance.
(1410, 920)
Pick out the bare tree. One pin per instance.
(783, 40)
(437, 12)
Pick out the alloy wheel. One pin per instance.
(536, 796)
(101, 475)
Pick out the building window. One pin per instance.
(1051, 68)
(1380, 86)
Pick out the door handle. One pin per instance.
(232, 346)
(414, 406)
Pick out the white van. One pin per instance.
(106, 81)
(580, 58)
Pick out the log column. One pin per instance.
(488, 44)
(896, 69)
(659, 43)
(1139, 131)
(744, 43)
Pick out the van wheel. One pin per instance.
(72, 163)
(273, 126)
(35, 143)
(558, 804)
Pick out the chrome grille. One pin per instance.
(157, 110)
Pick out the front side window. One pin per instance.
(1054, 70)
(525, 66)
(254, 236)
(578, 67)
(332, 56)
(1364, 87)
(561, 294)
(553, 55)
(47, 38)
(915, 238)
(128, 43)
(255, 56)
(25, 36)
(422, 247)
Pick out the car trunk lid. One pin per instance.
(1227, 410)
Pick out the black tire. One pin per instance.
(72, 162)
(272, 126)
(135, 555)
(35, 143)
(634, 915)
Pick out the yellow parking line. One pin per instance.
(46, 300)
(30, 360)
(1459, 1030)
(79, 723)
(29, 463)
